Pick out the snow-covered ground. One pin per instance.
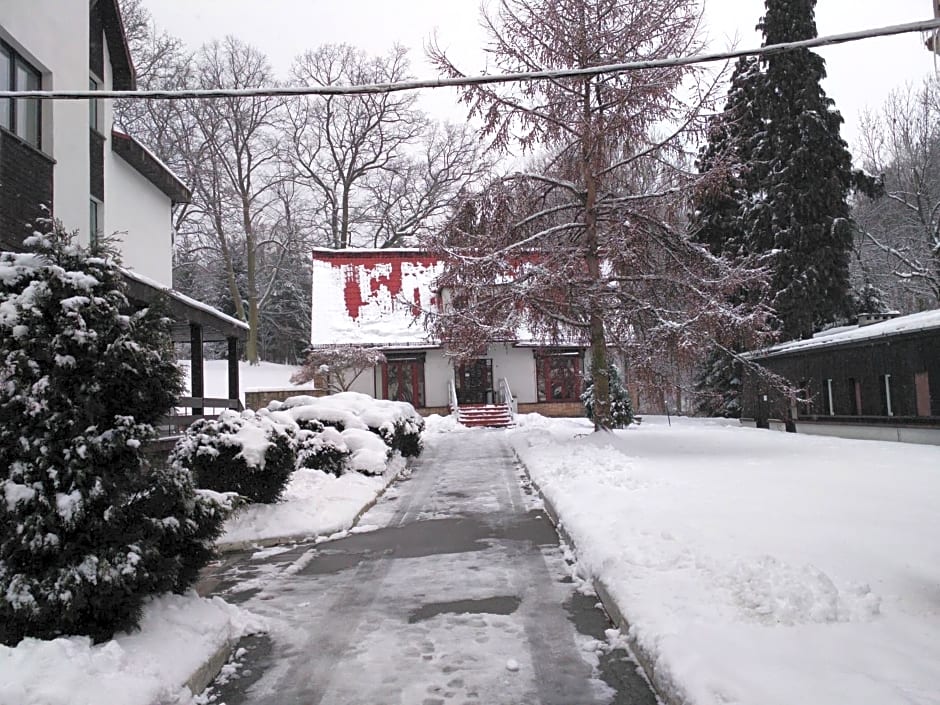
(314, 504)
(178, 634)
(264, 375)
(757, 567)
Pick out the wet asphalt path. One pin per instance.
(456, 592)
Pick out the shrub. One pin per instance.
(88, 528)
(403, 435)
(621, 408)
(244, 453)
(323, 450)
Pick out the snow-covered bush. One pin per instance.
(323, 450)
(403, 435)
(369, 455)
(240, 452)
(395, 424)
(88, 529)
(621, 408)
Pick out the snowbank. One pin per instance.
(315, 503)
(178, 634)
(753, 566)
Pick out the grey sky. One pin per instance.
(860, 74)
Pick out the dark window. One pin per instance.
(6, 81)
(558, 377)
(94, 221)
(922, 391)
(22, 116)
(94, 106)
(403, 380)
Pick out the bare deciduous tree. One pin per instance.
(899, 242)
(379, 171)
(340, 365)
(235, 186)
(586, 246)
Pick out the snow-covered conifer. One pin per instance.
(88, 528)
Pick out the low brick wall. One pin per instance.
(439, 410)
(554, 408)
(260, 398)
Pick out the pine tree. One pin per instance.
(802, 175)
(87, 529)
(621, 407)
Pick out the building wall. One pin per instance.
(900, 356)
(517, 365)
(139, 215)
(53, 36)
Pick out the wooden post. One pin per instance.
(197, 374)
(233, 368)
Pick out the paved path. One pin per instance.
(457, 592)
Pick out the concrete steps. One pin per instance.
(488, 415)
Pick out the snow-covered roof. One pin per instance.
(187, 301)
(372, 297)
(845, 335)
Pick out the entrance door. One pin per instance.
(474, 382)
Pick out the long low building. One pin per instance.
(877, 380)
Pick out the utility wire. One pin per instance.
(931, 25)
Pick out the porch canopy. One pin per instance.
(195, 323)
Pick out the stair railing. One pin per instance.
(508, 399)
(452, 396)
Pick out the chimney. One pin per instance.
(866, 319)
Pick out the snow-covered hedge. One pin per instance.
(324, 450)
(88, 530)
(359, 416)
(240, 452)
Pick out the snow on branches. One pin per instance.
(338, 365)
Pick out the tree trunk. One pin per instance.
(251, 348)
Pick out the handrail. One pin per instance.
(452, 393)
(508, 399)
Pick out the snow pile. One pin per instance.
(178, 634)
(315, 503)
(753, 566)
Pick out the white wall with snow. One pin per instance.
(139, 214)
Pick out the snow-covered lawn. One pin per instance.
(314, 504)
(754, 566)
(264, 375)
(178, 634)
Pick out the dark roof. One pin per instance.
(122, 66)
(150, 166)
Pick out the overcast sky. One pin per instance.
(860, 74)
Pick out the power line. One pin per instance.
(931, 25)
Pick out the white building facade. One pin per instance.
(378, 299)
(65, 154)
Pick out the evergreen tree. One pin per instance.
(801, 176)
(621, 408)
(88, 529)
(718, 386)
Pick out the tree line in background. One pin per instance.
(273, 177)
(612, 233)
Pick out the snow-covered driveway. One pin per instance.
(455, 590)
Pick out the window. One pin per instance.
(95, 214)
(403, 379)
(829, 403)
(22, 116)
(558, 376)
(94, 105)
